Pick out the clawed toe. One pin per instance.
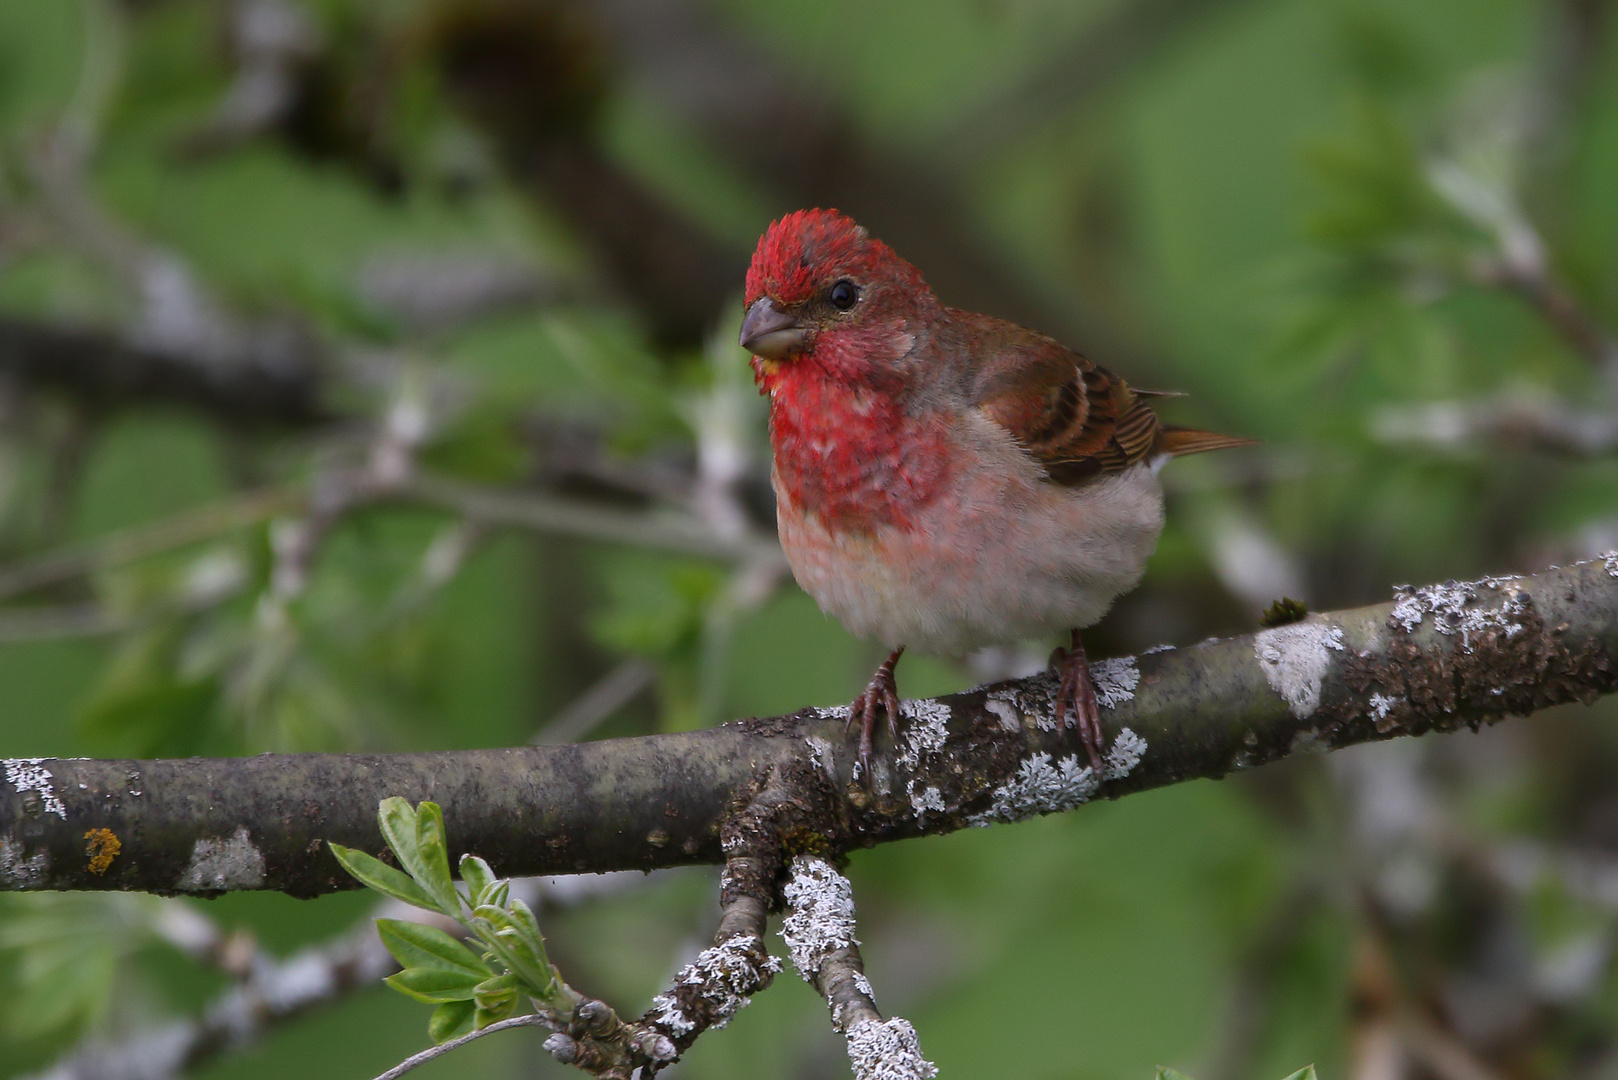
(880, 694)
(1076, 696)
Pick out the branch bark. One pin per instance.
(1434, 659)
(277, 380)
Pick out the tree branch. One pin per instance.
(1434, 659)
(278, 379)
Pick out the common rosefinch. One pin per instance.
(943, 479)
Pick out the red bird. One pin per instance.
(945, 480)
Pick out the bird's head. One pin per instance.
(820, 288)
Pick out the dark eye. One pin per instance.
(844, 295)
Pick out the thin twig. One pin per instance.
(60, 622)
(415, 1060)
(570, 517)
(610, 693)
(143, 541)
(538, 511)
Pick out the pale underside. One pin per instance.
(1002, 555)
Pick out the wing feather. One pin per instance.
(1076, 418)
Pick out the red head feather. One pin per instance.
(797, 254)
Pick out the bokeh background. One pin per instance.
(368, 380)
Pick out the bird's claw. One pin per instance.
(1075, 693)
(880, 694)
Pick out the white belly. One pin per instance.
(987, 563)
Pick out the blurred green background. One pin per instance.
(288, 286)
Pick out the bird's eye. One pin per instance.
(844, 295)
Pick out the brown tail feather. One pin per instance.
(1179, 441)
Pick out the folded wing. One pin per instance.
(1076, 418)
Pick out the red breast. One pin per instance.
(849, 454)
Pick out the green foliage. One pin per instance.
(59, 957)
(1166, 1073)
(470, 991)
(1283, 611)
(1284, 215)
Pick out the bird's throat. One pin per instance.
(849, 455)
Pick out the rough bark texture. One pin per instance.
(1435, 659)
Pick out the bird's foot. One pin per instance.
(1076, 698)
(881, 694)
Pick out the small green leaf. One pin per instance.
(1305, 1073)
(486, 1016)
(496, 999)
(479, 878)
(417, 838)
(435, 984)
(398, 823)
(450, 1019)
(522, 917)
(433, 850)
(415, 945)
(1166, 1073)
(376, 874)
(520, 951)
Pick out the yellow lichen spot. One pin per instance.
(102, 846)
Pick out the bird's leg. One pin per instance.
(1077, 694)
(880, 693)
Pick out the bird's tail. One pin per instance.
(1180, 441)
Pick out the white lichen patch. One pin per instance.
(1295, 659)
(820, 753)
(1610, 561)
(666, 1013)
(835, 712)
(929, 798)
(1127, 750)
(1000, 703)
(887, 1050)
(30, 774)
(223, 862)
(1455, 608)
(1115, 681)
(923, 729)
(20, 871)
(1040, 787)
(1033, 699)
(1155, 649)
(724, 977)
(820, 914)
(1381, 706)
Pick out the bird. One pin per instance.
(945, 480)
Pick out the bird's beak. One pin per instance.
(769, 332)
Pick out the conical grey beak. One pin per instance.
(769, 332)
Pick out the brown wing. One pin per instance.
(1076, 418)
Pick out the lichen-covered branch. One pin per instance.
(723, 978)
(819, 932)
(1434, 658)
